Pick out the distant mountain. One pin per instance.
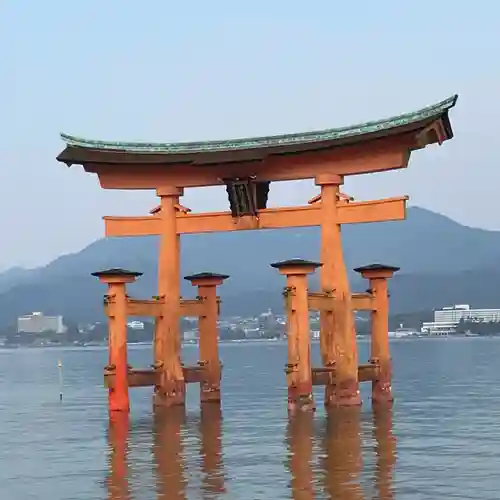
(441, 262)
(14, 276)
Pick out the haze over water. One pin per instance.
(441, 440)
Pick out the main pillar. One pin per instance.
(338, 333)
(167, 349)
(116, 300)
(298, 370)
(209, 339)
(380, 355)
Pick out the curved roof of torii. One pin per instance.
(80, 150)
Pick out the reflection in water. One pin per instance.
(332, 473)
(385, 450)
(117, 481)
(300, 452)
(168, 453)
(341, 462)
(211, 450)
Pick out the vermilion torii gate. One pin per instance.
(247, 167)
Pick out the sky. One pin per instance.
(197, 70)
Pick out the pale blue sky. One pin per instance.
(166, 71)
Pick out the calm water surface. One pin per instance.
(441, 440)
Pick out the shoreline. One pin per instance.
(360, 338)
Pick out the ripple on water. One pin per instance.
(441, 440)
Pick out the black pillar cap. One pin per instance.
(377, 267)
(206, 276)
(295, 263)
(116, 271)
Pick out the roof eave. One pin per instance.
(80, 151)
(65, 157)
(73, 155)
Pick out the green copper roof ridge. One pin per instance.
(434, 110)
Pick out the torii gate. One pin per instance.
(247, 167)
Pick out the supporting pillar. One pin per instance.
(209, 339)
(116, 298)
(298, 369)
(338, 334)
(167, 343)
(380, 354)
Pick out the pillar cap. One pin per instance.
(295, 263)
(205, 275)
(169, 191)
(116, 275)
(206, 278)
(377, 270)
(325, 179)
(296, 266)
(116, 271)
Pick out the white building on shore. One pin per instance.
(37, 322)
(447, 318)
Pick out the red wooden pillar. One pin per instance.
(171, 388)
(378, 275)
(299, 372)
(116, 301)
(338, 333)
(209, 339)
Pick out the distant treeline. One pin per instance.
(99, 331)
(408, 320)
(479, 327)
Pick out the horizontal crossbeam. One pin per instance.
(359, 212)
(325, 376)
(196, 374)
(149, 377)
(153, 307)
(319, 301)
